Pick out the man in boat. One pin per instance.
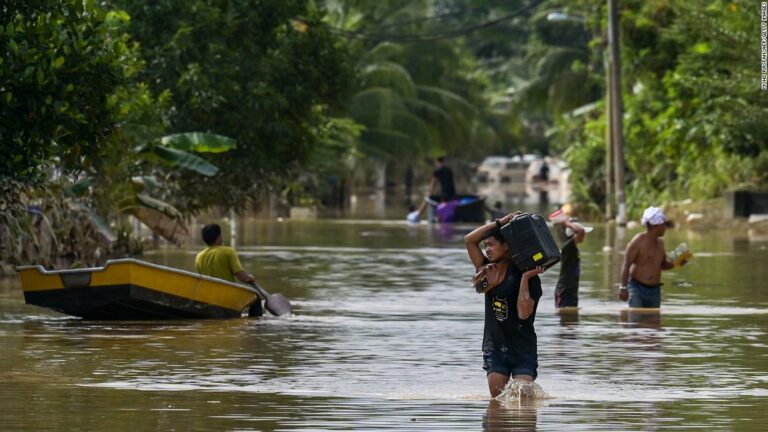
(221, 262)
(644, 260)
(572, 233)
(444, 176)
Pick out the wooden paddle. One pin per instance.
(276, 304)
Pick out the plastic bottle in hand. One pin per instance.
(680, 254)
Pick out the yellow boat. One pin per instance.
(129, 289)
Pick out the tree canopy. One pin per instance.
(128, 102)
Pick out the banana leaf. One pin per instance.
(199, 142)
(144, 200)
(149, 183)
(173, 230)
(183, 159)
(102, 227)
(79, 188)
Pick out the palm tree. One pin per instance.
(407, 118)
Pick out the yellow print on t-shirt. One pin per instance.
(500, 308)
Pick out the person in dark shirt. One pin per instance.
(444, 176)
(572, 233)
(509, 340)
(544, 171)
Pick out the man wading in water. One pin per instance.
(572, 233)
(511, 298)
(644, 260)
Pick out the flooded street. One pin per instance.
(386, 335)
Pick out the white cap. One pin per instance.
(653, 216)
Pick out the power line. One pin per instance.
(426, 37)
(442, 16)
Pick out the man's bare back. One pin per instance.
(645, 257)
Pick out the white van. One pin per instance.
(500, 178)
(508, 179)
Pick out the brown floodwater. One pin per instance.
(386, 336)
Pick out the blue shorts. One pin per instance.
(643, 296)
(509, 364)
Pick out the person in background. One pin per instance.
(544, 171)
(496, 212)
(511, 298)
(572, 233)
(644, 259)
(221, 262)
(443, 175)
(414, 214)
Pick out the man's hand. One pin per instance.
(245, 277)
(623, 293)
(506, 219)
(533, 272)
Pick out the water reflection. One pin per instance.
(568, 316)
(516, 415)
(641, 317)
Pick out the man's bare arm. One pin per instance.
(666, 263)
(472, 242)
(578, 231)
(244, 277)
(473, 239)
(630, 256)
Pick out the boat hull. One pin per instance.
(135, 290)
(468, 209)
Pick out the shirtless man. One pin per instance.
(644, 260)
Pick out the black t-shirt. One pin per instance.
(570, 267)
(444, 175)
(544, 172)
(503, 328)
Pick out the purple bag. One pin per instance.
(446, 211)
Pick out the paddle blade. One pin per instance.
(278, 305)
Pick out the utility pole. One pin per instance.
(232, 228)
(608, 141)
(617, 113)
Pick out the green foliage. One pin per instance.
(179, 158)
(256, 71)
(331, 167)
(59, 63)
(415, 100)
(694, 116)
(199, 142)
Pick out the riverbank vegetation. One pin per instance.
(160, 110)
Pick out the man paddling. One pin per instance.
(644, 260)
(221, 262)
(443, 175)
